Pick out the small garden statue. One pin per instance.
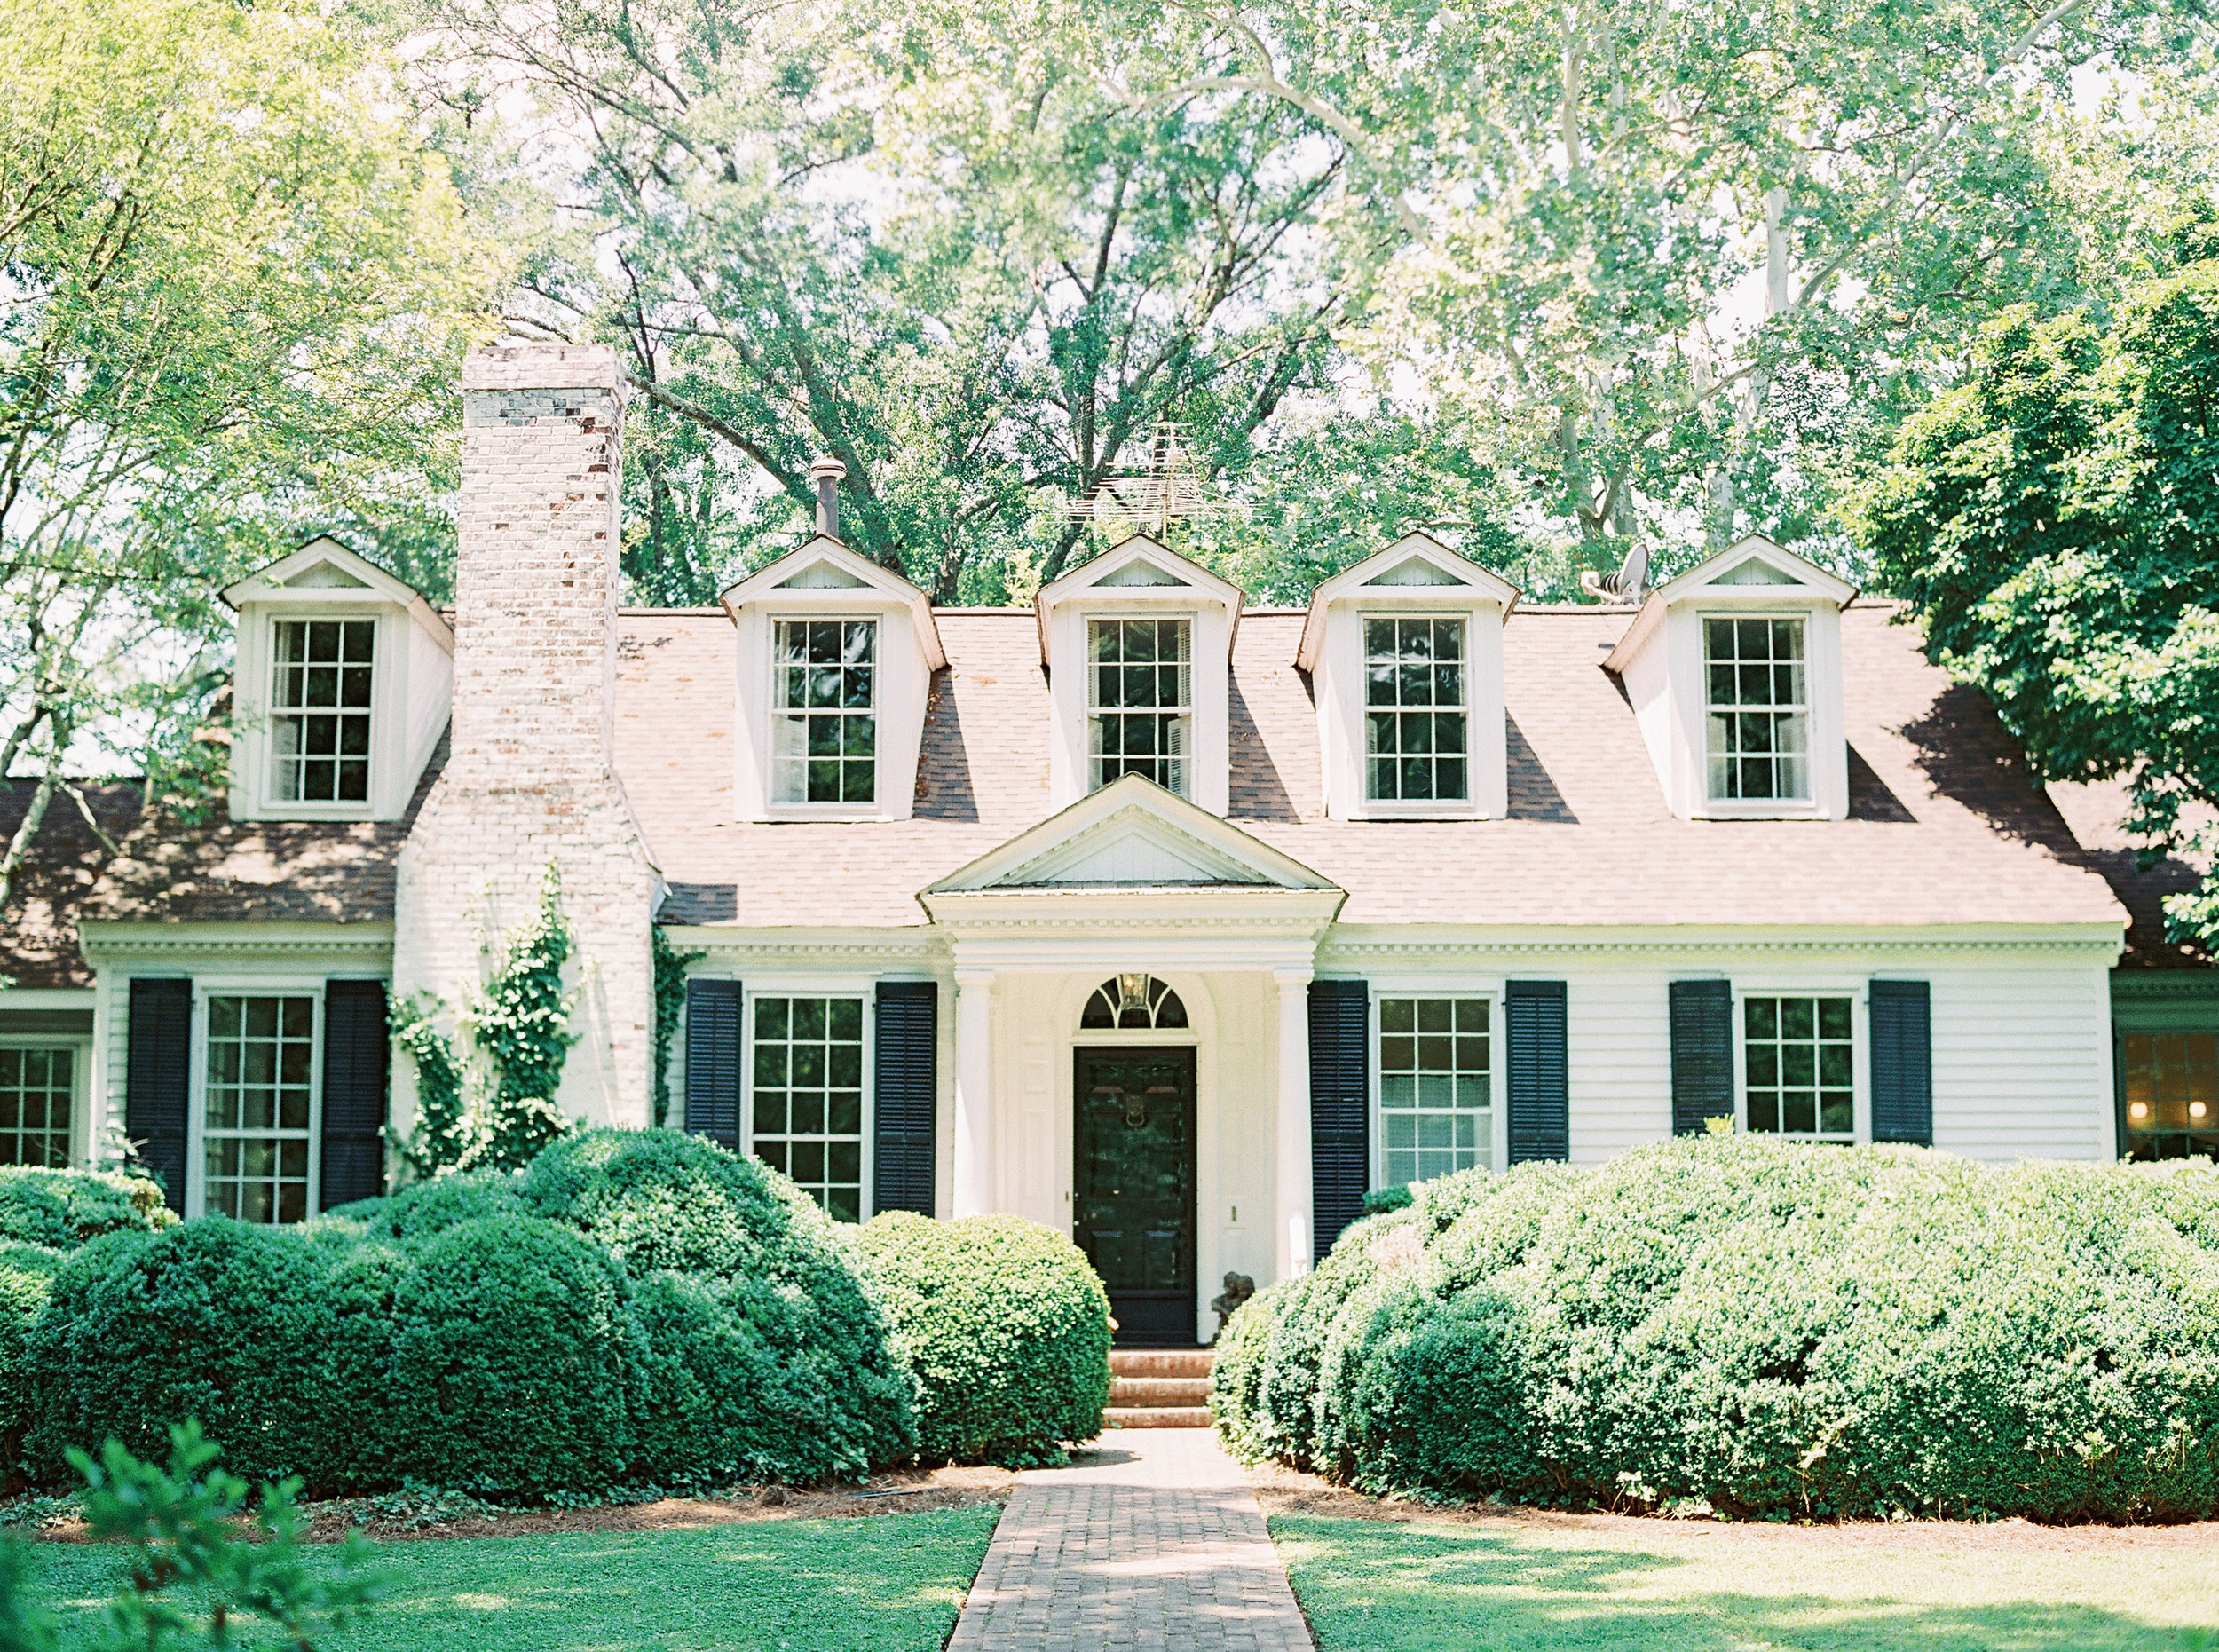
(1239, 1289)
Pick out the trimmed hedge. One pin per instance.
(641, 1307)
(61, 1209)
(1763, 1328)
(26, 1277)
(510, 1344)
(667, 1202)
(1008, 1328)
(217, 1319)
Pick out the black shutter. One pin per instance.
(157, 1078)
(712, 1059)
(1540, 1082)
(1340, 1103)
(1702, 1054)
(1902, 1063)
(904, 1122)
(355, 1063)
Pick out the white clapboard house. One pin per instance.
(1172, 923)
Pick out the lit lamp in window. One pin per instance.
(2195, 1109)
(1131, 990)
(2139, 1109)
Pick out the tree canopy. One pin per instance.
(236, 290)
(2054, 522)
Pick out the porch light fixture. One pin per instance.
(1132, 990)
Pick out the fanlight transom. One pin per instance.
(1133, 1001)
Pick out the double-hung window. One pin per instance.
(1800, 1067)
(806, 1106)
(257, 1106)
(1139, 700)
(1414, 713)
(826, 737)
(38, 1088)
(1758, 738)
(1436, 1088)
(320, 710)
(2172, 1091)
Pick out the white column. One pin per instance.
(974, 1076)
(1294, 1122)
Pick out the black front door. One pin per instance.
(1134, 1187)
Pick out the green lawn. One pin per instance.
(884, 1584)
(1384, 1588)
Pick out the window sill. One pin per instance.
(829, 812)
(1371, 810)
(1759, 811)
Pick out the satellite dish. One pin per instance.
(1624, 588)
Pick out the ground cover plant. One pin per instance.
(1743, 1327)
(1607, 1585)
(1008, 1327)
(892, 1584)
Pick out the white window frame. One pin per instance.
(1428, 807)
(1498, 1063)
(1183, 716)
(196, 1090)
(1761, 807)
(1859, 995)
(815, 986)
(774, 698)
(320, 807)
(80, 1082)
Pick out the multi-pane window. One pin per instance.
(1759, 722)
(257, 1104)
(826, 744)
(1140, 705)
(2172, 1084)
(36, 1089)
(320, 710)
(807, 1118)
(1800, 1067)
(1436, 1095)
(1414, 715)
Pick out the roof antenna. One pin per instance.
(828, 473)
(1624, 587)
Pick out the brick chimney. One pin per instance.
(529, 776)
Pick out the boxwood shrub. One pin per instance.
(1008, 1326)
(1762, 1328)
(215, 1319)
(60, 1209)
(666, 1202)
(423, 1209)
(26, 1277)
(511, 1342)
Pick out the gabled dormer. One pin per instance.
(1405, 657)
(343, 681)
(1139, 647)
(836, 660)
(1734, 674)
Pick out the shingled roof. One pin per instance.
(1946, 826)
(38, 928)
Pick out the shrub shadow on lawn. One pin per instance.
(1389, 1588)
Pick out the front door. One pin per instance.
(1133, 1190)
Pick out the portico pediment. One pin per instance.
(1131, 834)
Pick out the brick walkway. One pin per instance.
(1151, 1538)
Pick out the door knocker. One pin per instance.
(1136, 1109)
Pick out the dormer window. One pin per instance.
(320, 710)
(834, 657)
(1140, 706)
(1759, 710)
(1405, 655)
(1734, 673)
(1137, 646)
(826, 744)
(1415, 722)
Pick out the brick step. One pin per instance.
(1159, 1391)
(1156, 1416)
(1160, 1363)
